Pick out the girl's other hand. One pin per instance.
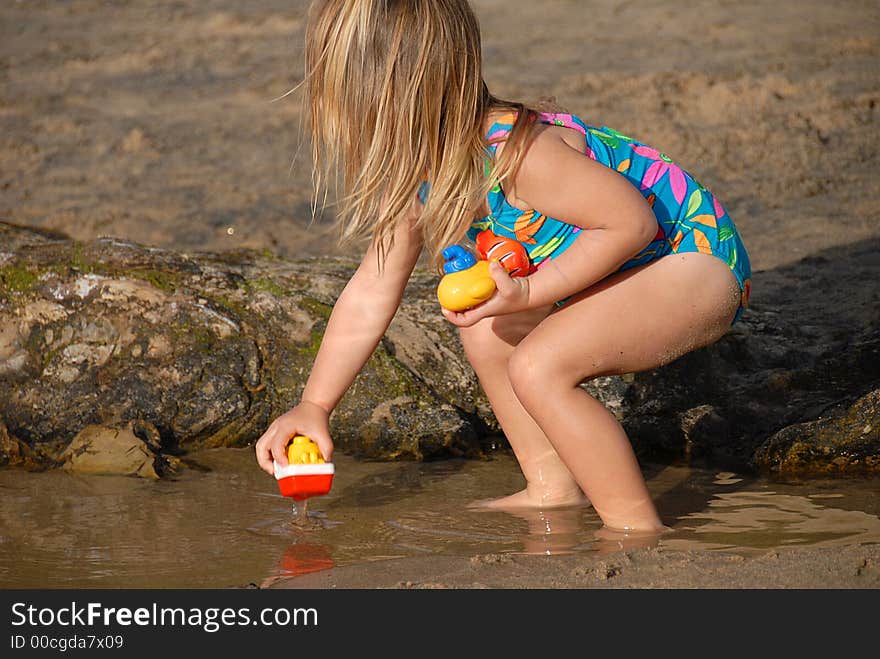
(511, 295)
(305, 419)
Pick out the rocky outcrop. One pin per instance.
(778, 393)
(209, 349)
(15, 452)
(845, 442)
(206, 349)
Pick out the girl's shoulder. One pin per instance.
(554, 140)
(548, 125)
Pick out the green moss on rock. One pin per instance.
(17, 278)
(161, 279)
(316, 307)
(843, 443)
(267, 285)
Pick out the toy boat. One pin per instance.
(306, 474)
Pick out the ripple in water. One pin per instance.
(531, 532)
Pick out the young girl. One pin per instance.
(634, 263)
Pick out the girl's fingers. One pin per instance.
(501, 276)
(271, 447)
(278, 447)
(325, 445)
(264, 455)
(454, 317)
(458, 318)
(506, 285)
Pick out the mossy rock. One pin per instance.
(845, 442)
(208, 349)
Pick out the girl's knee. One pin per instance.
(523, 371)
(482, 345)
(493, 339)
(534, 373)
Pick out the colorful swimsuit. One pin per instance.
(690, 218)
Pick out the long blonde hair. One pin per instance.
(396, 97)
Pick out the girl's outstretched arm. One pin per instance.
(563, 182)
(360, 317)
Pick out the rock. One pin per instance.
(15, 452)
(407, 427)
(702, 426)
(210, 348)
(605, 571)
(127, 450)
(809, 343)
(844, 442)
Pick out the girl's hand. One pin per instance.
(305, 419)
(511, 295)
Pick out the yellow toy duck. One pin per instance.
(466, 282)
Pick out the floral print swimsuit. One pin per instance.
(689, 217)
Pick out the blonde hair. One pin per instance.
(396, 97)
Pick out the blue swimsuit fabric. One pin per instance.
(689, 217)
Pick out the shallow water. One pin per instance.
(227, 526)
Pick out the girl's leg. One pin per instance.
(631, 321)
(488, 346)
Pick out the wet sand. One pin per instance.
(849, 568)
(154, 122)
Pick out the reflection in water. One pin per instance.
(765, 519)
(301, 558)
(569, 530)
(552, 532)
(228, 525)
(481, 530)
(304, 558)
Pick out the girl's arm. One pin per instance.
(360, 317)
(567, 184)
(564, 183)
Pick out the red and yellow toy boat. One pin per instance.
(307, 474)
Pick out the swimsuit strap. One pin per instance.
(564, 120)
(504, 124)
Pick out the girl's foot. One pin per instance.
(609, 541)
(535, 499)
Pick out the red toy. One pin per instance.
(306, 475)
(508, 252)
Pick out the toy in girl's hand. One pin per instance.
(467, 281)
(306, 475)
(508, 252)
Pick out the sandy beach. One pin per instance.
(162, 123)
(156, 121)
